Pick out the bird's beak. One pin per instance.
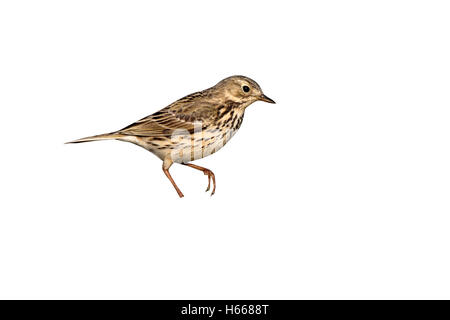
(265, 98)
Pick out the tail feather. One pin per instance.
(106, 136)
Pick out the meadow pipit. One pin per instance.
(194, 126)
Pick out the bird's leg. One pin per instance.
(207, 172)
(165, 168)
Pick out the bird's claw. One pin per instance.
(210, 175)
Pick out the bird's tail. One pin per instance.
(105, 136)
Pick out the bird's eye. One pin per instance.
(246, 88)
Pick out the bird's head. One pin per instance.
(241, 89)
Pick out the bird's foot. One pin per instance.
(212, 177)
(180, 194)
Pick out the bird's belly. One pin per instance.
(199, 145)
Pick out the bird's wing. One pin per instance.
(184, 115)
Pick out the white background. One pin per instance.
(340, 190)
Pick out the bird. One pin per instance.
(192, 127)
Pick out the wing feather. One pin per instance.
(181, 116)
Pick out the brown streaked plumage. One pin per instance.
(192, 127)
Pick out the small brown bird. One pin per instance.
(192, 127)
